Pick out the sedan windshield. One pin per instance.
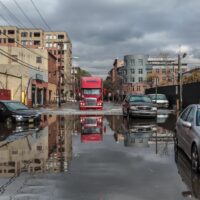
(142, 99)
(16, 106)
(91, 91)
(198, 117)
(159, 97)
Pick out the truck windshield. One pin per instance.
(91, 91)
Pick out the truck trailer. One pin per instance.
(91, 93)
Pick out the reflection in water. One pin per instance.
(189, 177)
(33, 149)
(91, 128)
(48, 148)
(142, 132)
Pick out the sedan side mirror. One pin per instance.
(187, 124)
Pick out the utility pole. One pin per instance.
(59, 74)
(180, 85)
(178, 101)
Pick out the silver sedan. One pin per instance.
(187, 134)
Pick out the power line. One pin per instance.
(42, 18)
(11, 14)
(6, 20)
(26, 16)
(20, 61)
(19, 43)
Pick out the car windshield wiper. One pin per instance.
(22, 109)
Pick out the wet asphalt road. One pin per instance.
(68, 158)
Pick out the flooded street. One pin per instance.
(95, 157)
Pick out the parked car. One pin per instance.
(16, 112)
(160, 100)
(187, 134)
(138, 106)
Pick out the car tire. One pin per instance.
(195, 158)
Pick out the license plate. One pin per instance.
(30, 120)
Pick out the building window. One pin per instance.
(157, 71)
(11, 32)
(132, 71)
(14, 58)
(38, 59)
(36, 34)
(133, 79)
(4, 40)
(140, 62)
(132, 62)
(4, 32)
(11, 40)
(24, 34)
(60, 36)
(55, 52)
(138, 88)
(164, 78)
(30, 34)
(163, 71)
(55, 45)
(140, 71)
(36, 42)
(140, 79)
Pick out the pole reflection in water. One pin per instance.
(91, 128)
(188, 176)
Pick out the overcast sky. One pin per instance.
(102, 30)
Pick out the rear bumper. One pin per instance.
(91, 107)
(142, 113)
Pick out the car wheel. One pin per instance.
(9, 121)
(175, 144)
(195, 158)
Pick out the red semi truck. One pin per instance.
(91, 93)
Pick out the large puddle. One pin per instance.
(100, 157)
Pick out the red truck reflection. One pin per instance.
(91, 128)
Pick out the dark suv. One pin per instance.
(14, 111)
(138, 106)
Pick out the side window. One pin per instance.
(190, 117)
(2, 107)
(184, 114)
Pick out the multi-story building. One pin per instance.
(57, 43)
(165, 70)
(25, 73)
(135, 67)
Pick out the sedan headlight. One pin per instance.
(154, 108)
(133, 108)
(18, 117)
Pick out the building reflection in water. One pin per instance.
(32, 149)
(91, 128)
(188, 176)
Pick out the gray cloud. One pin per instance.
(102, 30)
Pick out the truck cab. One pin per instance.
(91, 93)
